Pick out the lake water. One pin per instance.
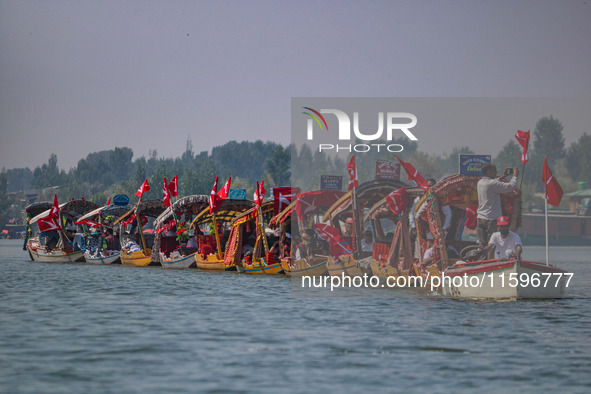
(84, 328)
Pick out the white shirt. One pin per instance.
(489, 197)
(366, 246)
(505, 247)
(132, 246)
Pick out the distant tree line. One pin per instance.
(110, 172)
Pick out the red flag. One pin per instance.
(88, 223)
(309, 202)
(413, 175)
(223, 193)
(282, 197)
(173, 187)
(165, 193)
(216, 198)
(109, 201)
(212, 200)
(523, 139)
(332, 236)
(471, 217)
(397, 200)
(259, 194)
(55, 208)
(49, 223)
(552, 190)
(352, 169)
(143, 188)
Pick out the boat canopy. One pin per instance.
(107, 210)
(71, 209)
(186, 205)
(367, 193)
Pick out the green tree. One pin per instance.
(509, 156)
(48, 174)
(548, 140)
(278, 166)
(578, 159)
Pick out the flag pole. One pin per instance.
(217, 236)
(522, 176)
(546, 207)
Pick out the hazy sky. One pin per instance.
(83, 76)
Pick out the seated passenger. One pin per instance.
(507, 244)
(133, 245)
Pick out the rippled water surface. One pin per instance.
(84, 328)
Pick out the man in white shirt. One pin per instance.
(367, 242)
(132, 246)
(506, 243)
(489, 200)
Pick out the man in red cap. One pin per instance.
(348, 227)
(507, 244)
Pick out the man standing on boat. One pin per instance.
(507, 244)
(489, 199)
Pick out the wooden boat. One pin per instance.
(31, 211)
(298, 217)
(351, 205)
(498, 279)
(257, 263)
(167, 248)
(194, 210)
(62, 253)
(392, 256)
(504, 279)
(227, 212)
(150, 209)
(94, 253)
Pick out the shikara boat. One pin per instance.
(31, 211)
(63, 252)
(468, 275)
(211, 257)
(298, 219)
(170, 252)
(350, 206)
(392, 252)
(146, 211)
(246, 225)
(94, 252)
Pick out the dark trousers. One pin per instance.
(485, 230)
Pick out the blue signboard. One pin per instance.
(121, 199)
(237, 194)
(331, 182)
(472, 164)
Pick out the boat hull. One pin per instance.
(112, 259)
(140, 259)
(303, 267)
(383, 272)
(346, 265)
(55, 256)
(259, 267)
(212, 263)
(178, 262)
(505, 279)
